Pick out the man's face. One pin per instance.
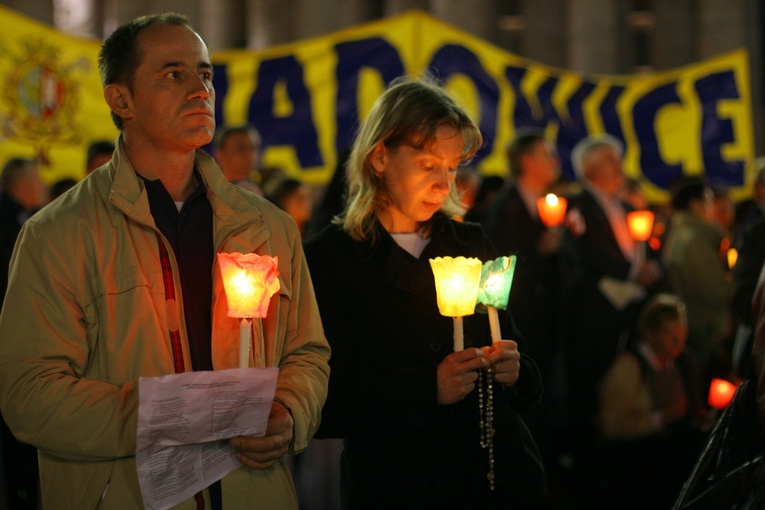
(542, 164)
(603, 168)
(172, 98)
(238, 155)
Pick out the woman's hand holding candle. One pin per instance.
(505, 361)
(457, 374)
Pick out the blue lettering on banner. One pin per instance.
(609, 115)
(298, 129)
(716, 131)
(453, 59)
(654, 168)
(352, 56)
(571, 128)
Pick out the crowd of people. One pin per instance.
(595, 397)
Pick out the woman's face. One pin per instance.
(418, 181)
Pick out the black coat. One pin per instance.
(403, 450)
(535, 297)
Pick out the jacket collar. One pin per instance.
(233, 211)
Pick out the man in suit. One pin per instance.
(608, 277)
(513, 225)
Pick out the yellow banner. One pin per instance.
(308, 98)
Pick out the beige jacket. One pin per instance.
(86, 316)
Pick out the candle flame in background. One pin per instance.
(249, 280)
(732, 257)
(640, 225)
(551, 209)
(496, 281)
(457, 282)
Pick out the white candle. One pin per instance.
(245, 334)
(496, 336)
(458, 341)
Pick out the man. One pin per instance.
(237, 151)
(23, 193)
(98, 153)
(607, 277)
(512, 224)
(118, 280)
(691, 261)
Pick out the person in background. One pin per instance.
(293, 197)
(513, 226)
(632, 194)
(408, 407)
(745, 274)
(237, 151)
(60, 187)
(694, 271)
(22, 194)
(488, 189)
(98, 154)
(651, 417)
(117, 280)
(607, 278)
(753, 208)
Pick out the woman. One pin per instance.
(406, 406)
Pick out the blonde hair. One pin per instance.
(410, 111)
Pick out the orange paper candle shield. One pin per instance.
(640, 224)
(457, 282)
(250, 280)
(551, 209)
(720, 393)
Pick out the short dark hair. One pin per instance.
(96, 148)
(12, 170)
(119, 56)
(659, 310)
(225, 132)
(686, 189)
(522, 145)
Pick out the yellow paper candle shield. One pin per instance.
(249, 280)
(457, 282)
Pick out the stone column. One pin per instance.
(270, 22)
(392, 7)
(594, 37)
(121, 12)
(544, 38)
(479, 18)
(223, 24)
(673, 38)
(722, 26)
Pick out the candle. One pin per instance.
(494, 289)
(720, 393)
(640, 224)
(249, 281)
(551, 209)
(457, 282)
(732, 256)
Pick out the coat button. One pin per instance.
(468, 341)
(435, 345)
